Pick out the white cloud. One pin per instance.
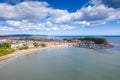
(91, 15)
(31, 11)
(25, 25)
(13, 23)
(39, 16)
(27, 16)
(67, 27)
(26, 10)
(83, 23)
(110, 3)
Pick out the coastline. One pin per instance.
(29, 51)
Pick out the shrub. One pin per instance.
(23, 47)
(43, 45)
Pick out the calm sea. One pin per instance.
(65, 64)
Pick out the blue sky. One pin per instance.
(60, 17)
(70, 5)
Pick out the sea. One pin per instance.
(68, 63)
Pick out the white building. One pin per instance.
(16, 45)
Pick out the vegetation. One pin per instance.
(6, 49)
(43, 45)
(5, 46)
(35, 44)
(95, 40)
(33, 37)
(23, 47)
(69, 40)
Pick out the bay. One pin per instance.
(65, 64)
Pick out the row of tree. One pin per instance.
(37, 45)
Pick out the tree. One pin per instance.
(5, 49)
(35, 44)
(5, 45)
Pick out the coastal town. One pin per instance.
(66, 42)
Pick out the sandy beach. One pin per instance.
(29, 51)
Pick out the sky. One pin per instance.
(60, 17)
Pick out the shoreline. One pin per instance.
(29, 51)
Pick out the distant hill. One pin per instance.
(19, 35)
